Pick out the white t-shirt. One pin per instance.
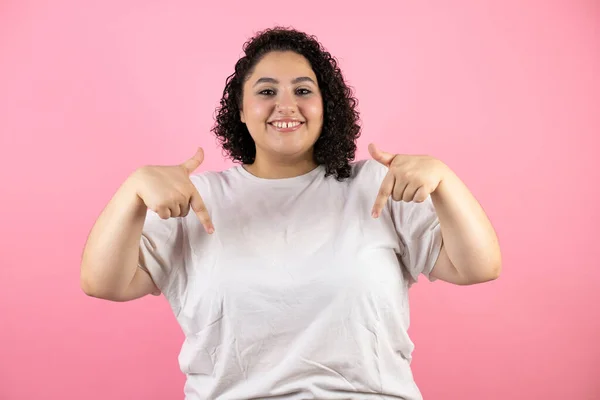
(300, 293)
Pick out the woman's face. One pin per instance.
(282, 106)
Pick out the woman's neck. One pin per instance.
(280, 169)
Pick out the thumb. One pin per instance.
(380, 156)
(191, 164)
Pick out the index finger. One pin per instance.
(385, 191)
(200, 209)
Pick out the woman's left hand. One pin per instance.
(409, 178)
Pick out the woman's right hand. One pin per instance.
(169, 192)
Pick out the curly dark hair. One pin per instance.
(336, 146)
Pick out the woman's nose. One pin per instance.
(286, 103)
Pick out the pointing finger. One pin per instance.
(200, 209)
(385, 191)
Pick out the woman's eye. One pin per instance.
(267, 92)
(271, 92)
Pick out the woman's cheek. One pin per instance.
(314, 109)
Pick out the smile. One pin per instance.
(286, 126)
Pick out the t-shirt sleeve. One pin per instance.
(417, 226)
(162, 249)
(420, 235)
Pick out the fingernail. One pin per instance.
(210, 230)
(374, 214)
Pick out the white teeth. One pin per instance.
(284, 125)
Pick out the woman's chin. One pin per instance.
(289, 150)
(289, 146)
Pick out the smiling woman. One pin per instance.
(287, 76)
(290, 279)
(288, 100)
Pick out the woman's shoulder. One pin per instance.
(209, 180)
(368, 168)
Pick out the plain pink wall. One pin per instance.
(506, 93)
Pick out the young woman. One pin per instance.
(290, 275)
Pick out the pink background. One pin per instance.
(507, 93)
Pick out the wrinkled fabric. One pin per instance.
(299, 293)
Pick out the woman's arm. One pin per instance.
(471, 253)
(109, 266)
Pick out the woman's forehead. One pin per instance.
(283, 67)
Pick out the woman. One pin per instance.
(290, 277)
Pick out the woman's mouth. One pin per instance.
(286, 126)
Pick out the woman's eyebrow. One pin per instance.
(275, 81)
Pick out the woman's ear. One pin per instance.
(242, 116)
